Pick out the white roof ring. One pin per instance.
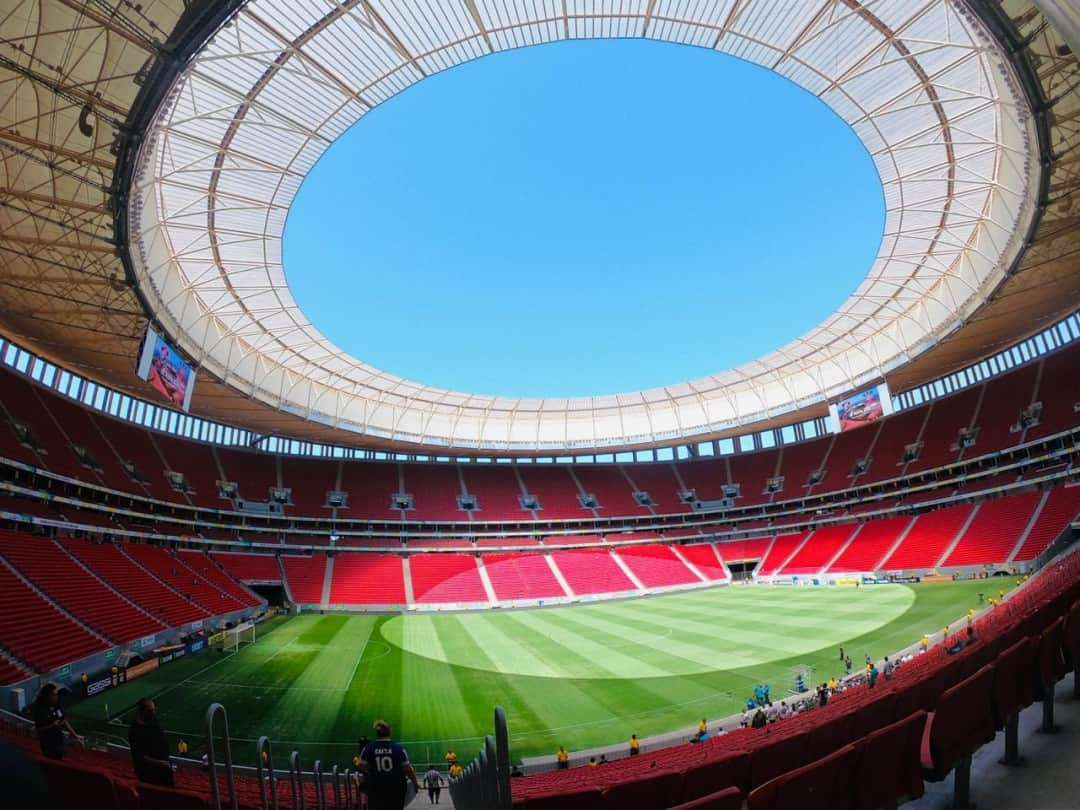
(921, 82)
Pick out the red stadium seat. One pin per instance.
(1013, 680)
(586, 798)
(831, 735)
(875, 714)
(152, 797)
(1051, 659)
(962, 722)
(825, 784)
(71, 786)
(728, 799)
(889, 768)
(1072, 645)
(653, 791)
(730, 769)
(776, 755)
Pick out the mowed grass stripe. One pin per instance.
(658, 647)
(601, 656)
(435, 685)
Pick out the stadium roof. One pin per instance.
(973, 146)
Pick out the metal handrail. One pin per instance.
(264, 748)
(484, 783)
(296, 781)
(316, 772)
(214, 710)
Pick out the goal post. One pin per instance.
(241, 634)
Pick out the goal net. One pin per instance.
(241, 634)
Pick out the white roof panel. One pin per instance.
(922, 86)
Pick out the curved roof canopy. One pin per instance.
(921, 83)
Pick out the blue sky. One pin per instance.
(583, 218)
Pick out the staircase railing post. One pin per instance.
(296, 781)
(502, 753)
(214, 710)
(264, 751)
(320, 800)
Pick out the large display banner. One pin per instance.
(860, 409)
(164, 370)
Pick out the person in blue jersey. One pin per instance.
(387, 771)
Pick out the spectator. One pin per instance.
(785, 711)
(603, 759)
(149, 751)
(759, 720)
(873, 675)
(516, 771)
(50, 722)
(702, 726)
(889, 667)
(563, 758)
(833, 684)
(433, 783)
(924, 643)
(823, 695)
(635, 745)
(747, 716)
(451, 757)
(387, 767)
(592, 762)
(772, 713)
(455, 770)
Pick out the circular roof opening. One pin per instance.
(922, 84)
(583, 218)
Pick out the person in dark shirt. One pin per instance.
(50, 722)
(149, 751)
(386, 766)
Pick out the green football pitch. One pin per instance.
(579, 676)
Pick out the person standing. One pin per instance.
(563, 758)
(433, 783)
(635, 745)
(387, 767)
(50, 722)
(149, 751)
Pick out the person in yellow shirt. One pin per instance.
(182, 747)
(635, 745)
(702, 727)
(455, 771)
(924, 642)
(592, 762)
(355, 760)
(563, 758)
(946, 630)
(833, 683)
(451, 757)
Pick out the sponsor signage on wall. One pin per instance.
(195, 646)
(147, 641)
(96, 687)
